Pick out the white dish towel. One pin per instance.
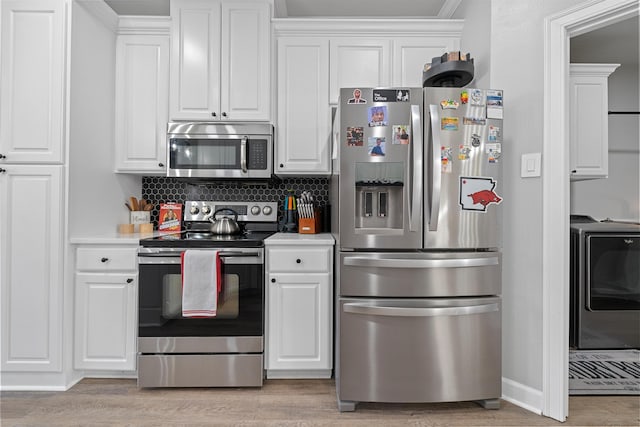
(200, 283)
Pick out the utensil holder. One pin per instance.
(138, 218)
(146, 228)
(125, 228)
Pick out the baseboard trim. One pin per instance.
(521, 395)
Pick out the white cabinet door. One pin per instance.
(31, 267)
(411, 53)
(105, 309)
(220, 60)
(299, 335)
(303, 125)
(358, 62)
(32, 81)
(588, 114)
(142, 102)
(245, 88)
(195, 56)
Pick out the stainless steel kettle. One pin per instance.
(225, 225)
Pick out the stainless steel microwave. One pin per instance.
(219, 150)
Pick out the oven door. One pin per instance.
(240, 310)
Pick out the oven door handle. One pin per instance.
(173, 257)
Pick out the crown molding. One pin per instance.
(148, 25)
(369, 26)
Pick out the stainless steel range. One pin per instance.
(221, 351)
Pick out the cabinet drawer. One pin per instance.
(298, 259)
(109, 259)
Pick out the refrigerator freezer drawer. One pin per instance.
(414, 274)
(419, 350)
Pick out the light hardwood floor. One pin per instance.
(110, 402)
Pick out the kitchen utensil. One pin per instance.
(141, 204)
(224, 225)
(148, 207)
(128, 206)
(134, 203)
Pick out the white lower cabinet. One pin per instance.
(31, 268)
(299, 306)
(106, 285)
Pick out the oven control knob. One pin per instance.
(255, 210)
(194, 210)
(206, 209)
(266, 210)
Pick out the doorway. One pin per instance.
(559, 28)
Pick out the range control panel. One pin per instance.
(203, 210)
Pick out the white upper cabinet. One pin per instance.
(32, 81)
(304, 125)
(142, 102)
(358, 62)
(317, 57)
(142, 92)
(220, 60)
(411, 53)
(588, 114)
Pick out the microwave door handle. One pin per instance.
(243, 153)
(416, 163)
(436, 173)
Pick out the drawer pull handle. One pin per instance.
(273, 280)
(129, 280)
(104, 259)
(298, 261)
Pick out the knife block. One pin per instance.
(310, 225)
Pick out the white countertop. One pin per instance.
(300, 239)
(114, 238)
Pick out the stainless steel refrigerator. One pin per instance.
(419, 277)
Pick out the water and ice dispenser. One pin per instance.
(379, 195)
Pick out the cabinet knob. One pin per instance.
(214, 114)
(104, 259)
(224, 114)
(281, 165)
(129, 280)
(273, 280)
(2, 170)
(2, 156)
(161, 165)
(298, 261)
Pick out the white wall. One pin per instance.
(617, 196)
(516, 66)
(476, 38)
(96, 193)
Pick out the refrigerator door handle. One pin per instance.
(416, 178)
(363, 308)
(436, 173)
(359, 261)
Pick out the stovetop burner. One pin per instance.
(257, 220)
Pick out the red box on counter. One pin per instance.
(170, 217)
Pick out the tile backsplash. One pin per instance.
(164, 189)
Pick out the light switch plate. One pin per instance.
(531, 164)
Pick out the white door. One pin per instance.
(303, 126)
(411, 53)
(142, 102)
(299, 335)
(106, 321)
(32, 81)
(195, 60)
(31, 267)
(358, 62)
(245, 89)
